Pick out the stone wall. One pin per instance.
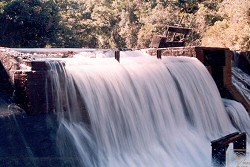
(10, 62)
(7, 68)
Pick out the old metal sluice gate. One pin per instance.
(220, 146)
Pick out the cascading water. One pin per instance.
(239, 117)
(241, 81)
(142, 111)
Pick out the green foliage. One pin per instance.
(121, 24)
(28, 23)
(76, 28)
(188, 6)
(233, 31)
(212, 19)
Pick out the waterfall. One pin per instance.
(141, 112)
(241, 81)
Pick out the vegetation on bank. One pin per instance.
(122, 23)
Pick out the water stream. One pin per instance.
(141, 112)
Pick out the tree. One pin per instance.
(29, 23)
(76, 24)
(187, 6)
(120, 24)
(232, 30)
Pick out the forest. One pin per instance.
(122, 23)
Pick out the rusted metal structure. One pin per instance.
(173, 37)
(220, 146)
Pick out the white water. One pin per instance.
(238, 115)
(143, 111)
(241, 81)
(240, 120)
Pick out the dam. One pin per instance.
(140, 111)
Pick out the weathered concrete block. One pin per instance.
(39, 65)
(33, 91)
